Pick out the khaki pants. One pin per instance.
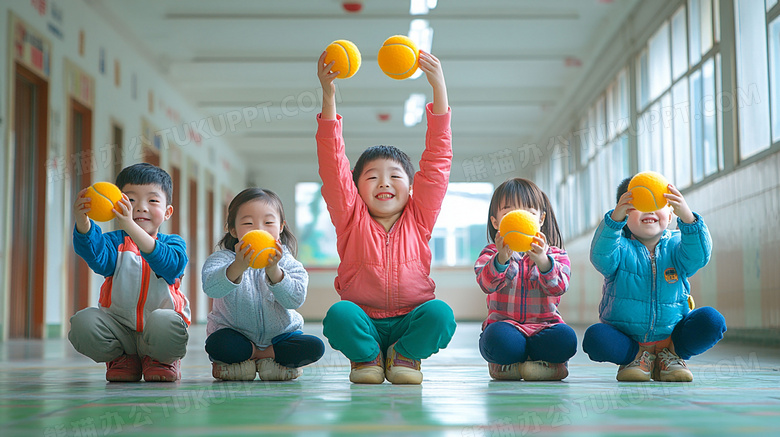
(98, 335)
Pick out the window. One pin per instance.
(774, 74)
(460, 232)
(679, 44)
(457, 239)
(315, 232)
(752, 81)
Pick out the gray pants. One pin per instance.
(98, 335)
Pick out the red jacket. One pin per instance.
(387, 274)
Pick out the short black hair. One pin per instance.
(146, 174)
(383, 152)
(621, 189)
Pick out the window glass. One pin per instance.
(660, 61)
(694, 31)
(752, 77)
(710, 142)
(679, 44)
(460, 232)
(774, 74)
(643, 84)
(667, 142)
(682, 134)
(315, 232)
(706, 25)
(697, 134)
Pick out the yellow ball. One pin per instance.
(519, 227)
(648, 189)
(263, 244)
(346, 58)
(398, 57)
(103, 199)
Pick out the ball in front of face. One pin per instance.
(263, 244)
(519, 227)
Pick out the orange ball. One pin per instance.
(263, 244)
(398, 57)
(519, 227)
(345, 56)
(648, 189)
(103, 199)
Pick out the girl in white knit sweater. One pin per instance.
(253, 326)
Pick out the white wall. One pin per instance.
(111, 103)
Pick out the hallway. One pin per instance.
(48, 389)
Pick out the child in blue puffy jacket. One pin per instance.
(648, 327)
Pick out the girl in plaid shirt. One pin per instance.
(524, 336)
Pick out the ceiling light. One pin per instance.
(421, 33)
(421, 7)
(414, 108)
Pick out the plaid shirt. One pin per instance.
(521, 295)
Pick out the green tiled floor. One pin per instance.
(47, 389)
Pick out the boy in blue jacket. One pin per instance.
(647, 325)
(140, 324)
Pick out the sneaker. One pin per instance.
(544, 371)
(671, 368)
(638, 370)
(243, 371)
(368, 372)
(270, 370)
(505, 372)
(160, 372)
(401, 370)
(126, 368)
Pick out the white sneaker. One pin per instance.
(671, 368)
(543, 371)
(400, 369)
(638, 370)
(270, 370)
(505, 372)
(243, 371)
(368, 372)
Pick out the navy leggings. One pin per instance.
(503, 343)
(292, 350)
(698, 331)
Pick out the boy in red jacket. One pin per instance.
(388, 319)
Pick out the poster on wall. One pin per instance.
(30, 48)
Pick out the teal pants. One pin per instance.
(416, 335)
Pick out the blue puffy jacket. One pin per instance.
(645, 296)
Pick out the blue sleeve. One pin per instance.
(169, 257)
(99, 250)
(605, 247)
(695, 246)
(500, 267)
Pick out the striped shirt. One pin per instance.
(518, 293)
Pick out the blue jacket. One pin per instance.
(646, 296)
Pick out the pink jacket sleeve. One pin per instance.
(430, 183)
(338, 188)
(556, 281)
(489, 279)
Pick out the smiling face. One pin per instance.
(257, 215)
(647, 227)
(150, 206)
(384, 187)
